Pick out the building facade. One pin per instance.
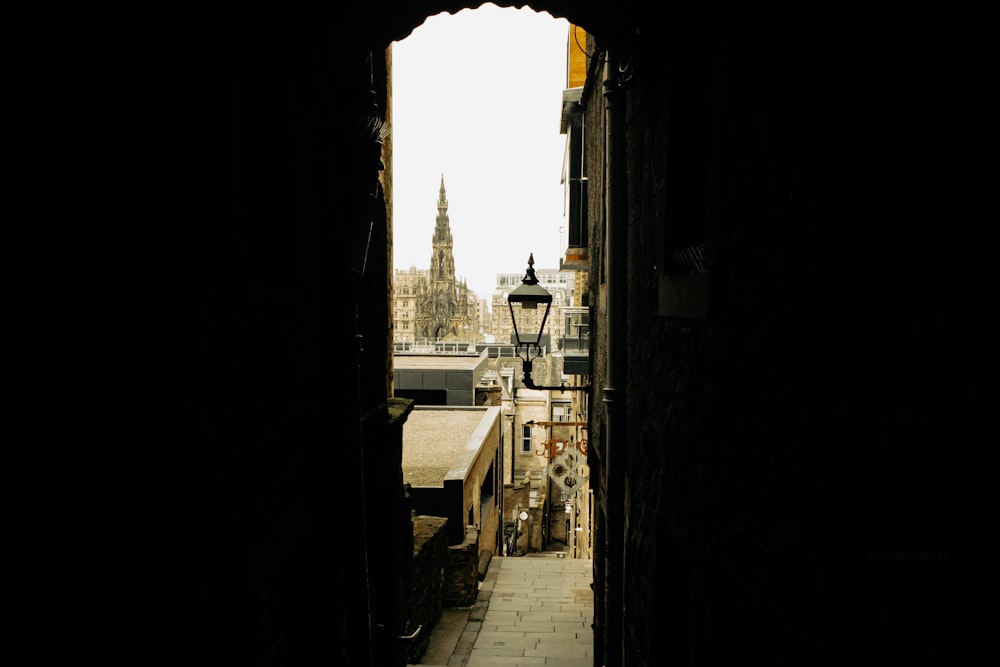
(432, 305)
(549, 504)
(562, 286)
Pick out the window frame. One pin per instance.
(527, 445)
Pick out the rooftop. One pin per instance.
(434, 441)
(451, 362)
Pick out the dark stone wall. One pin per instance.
(430, 563)
(797, 487)
(489, 396)
(462, 576)
(200, 440)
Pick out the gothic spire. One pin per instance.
(442, 197)
(442, 304)
(442, 228)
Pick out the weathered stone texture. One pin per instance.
(462, 577)
(430, 559)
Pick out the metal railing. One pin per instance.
(427, 346)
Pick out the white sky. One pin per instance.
(477, 97)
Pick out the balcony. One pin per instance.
(575, 344)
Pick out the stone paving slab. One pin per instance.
(531, 610)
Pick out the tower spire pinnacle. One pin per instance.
(442, 198)
(444, 307)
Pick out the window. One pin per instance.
(575, 180)
(525, 439)
(561, 413)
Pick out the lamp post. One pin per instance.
(524, 303)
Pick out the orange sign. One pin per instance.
(552, 448)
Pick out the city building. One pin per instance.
(431, 304)
(561, 284)
(447, 374)
(548, 503)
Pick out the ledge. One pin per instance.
(399, 410)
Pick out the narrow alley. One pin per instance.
(532, 610)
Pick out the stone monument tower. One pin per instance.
(443, 306)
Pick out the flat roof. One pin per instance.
(434, 439)
(447, 362)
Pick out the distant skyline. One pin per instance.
(477, 97)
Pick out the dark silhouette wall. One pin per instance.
(793, 468)
(200, 341)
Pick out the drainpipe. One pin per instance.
(614, 394)
(364, 625)
(513, 444)
(372, 633)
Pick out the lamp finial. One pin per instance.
(529, 276)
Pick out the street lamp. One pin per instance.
(528, 297)
(524, 305)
